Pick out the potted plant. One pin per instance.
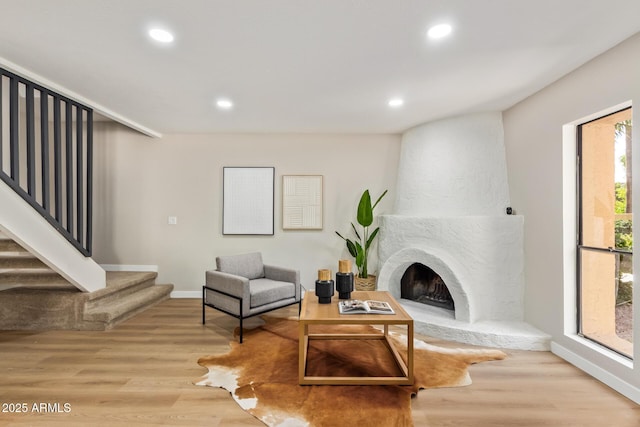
(359, 247)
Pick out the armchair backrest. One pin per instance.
(245, 265)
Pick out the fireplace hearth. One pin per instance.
(420, 283)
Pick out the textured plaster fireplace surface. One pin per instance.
(450, 216)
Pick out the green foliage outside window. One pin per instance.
(621, 198)
(623, 227)
(624, 235)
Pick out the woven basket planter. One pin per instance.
(368, 284)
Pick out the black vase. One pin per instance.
(324, 287)
(344, 285)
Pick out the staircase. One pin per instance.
(34, 297)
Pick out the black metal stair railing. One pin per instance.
(46, 151)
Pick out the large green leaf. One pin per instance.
(355, 230)
(360, 255)
(352, 248)
(378, 201)
(373, 236)
(365, 212)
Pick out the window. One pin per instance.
(605, 235)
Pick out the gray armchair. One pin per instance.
(242, 286)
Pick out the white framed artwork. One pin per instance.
(247, 200)
(302, 199)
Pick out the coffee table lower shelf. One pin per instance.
(406, 368)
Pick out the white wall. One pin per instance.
(141, 181)
(454, 167)
(534, 146)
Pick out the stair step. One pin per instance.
(37, 278)
(66, 286)
(8, 245)
(20, 261)
(121, 284)
(119, 310)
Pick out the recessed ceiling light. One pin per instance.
(160, 35)
(224, 104)
(439, 31)
(395, 102)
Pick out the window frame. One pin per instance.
(580, 247)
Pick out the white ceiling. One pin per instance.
(305, 65)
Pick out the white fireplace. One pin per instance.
(450, 216)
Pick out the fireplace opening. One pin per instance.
(421, 284)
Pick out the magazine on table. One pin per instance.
(354, 306)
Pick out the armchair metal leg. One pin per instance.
(203, 297)
(241, 316)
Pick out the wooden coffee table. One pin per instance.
(313, 313)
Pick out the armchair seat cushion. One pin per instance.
(264, 291)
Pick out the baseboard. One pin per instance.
(123, 267)
(186, 294)
(616, 383)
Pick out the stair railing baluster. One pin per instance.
(44, 150)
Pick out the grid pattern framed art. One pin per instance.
(248, 206)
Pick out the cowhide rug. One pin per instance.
(262, 376)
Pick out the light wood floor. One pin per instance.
(142, 373)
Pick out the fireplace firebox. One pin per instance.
(421, 284)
